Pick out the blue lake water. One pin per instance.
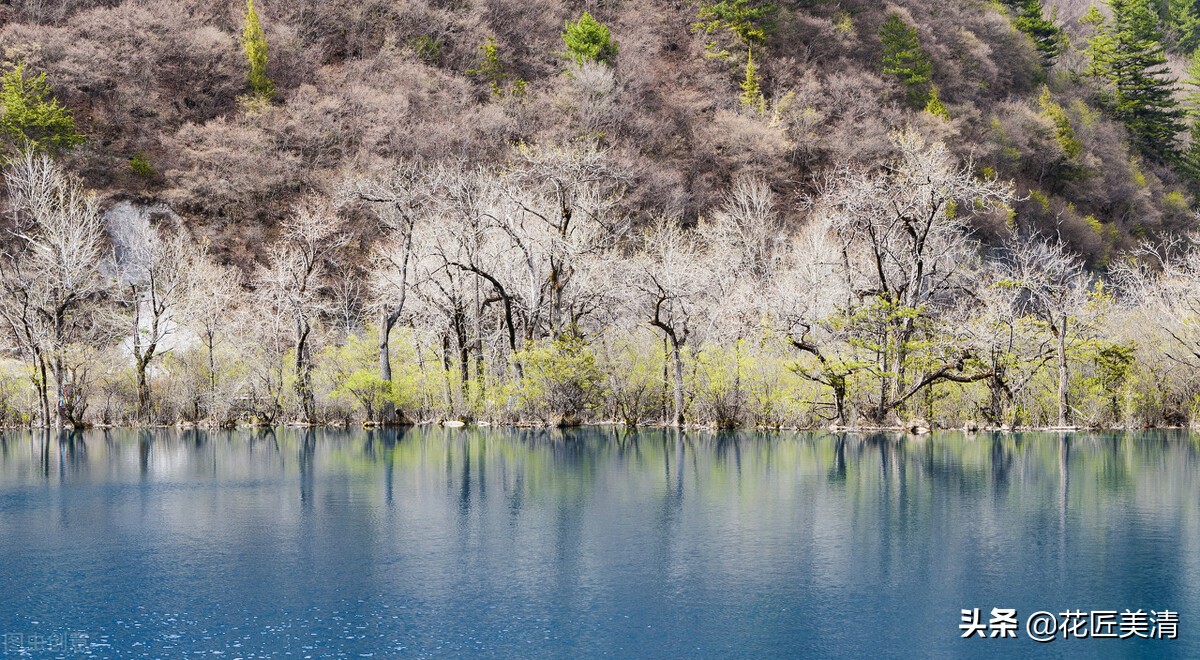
(499, 543)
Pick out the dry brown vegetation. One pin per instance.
(364, 82)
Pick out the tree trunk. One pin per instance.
(678, 360)
(60, 391)
(60, 401)
(43, 390)
(1064, 414)
(304, 373)
(143, 389)
(464, 360)
(446, 373)
(881, 411)
(386, 321)
(665, 378)
(839, 399)
(477, 346)
(212, 376)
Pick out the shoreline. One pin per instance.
(451, 424)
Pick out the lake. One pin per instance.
(436, 542)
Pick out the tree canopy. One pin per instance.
(31, 116)
(904, 59)
(1127, 55)
(589, 40)
(254, 43)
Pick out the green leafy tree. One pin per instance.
(254, 43)
(1099, 49)
(752, 96)
(749, 20)
(904, 59)
(1128, 59)
(1048, 38)
(589, 40)
(31, 116)
(352, 371)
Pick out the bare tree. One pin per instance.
(808, 301)
(471, 242)
(1163, 284)
(564, 203)
(399, 199)
(906, 252)
(152, 272)
(19, 308)
(1056, 290)
(749, 230)
(671, 278)
(208, 307)
(53, 256)
(442, 307)
(296, 279)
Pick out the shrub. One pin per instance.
(562, 383)
(141, 166)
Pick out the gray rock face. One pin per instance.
(129, 224)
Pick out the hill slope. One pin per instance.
(359, 83)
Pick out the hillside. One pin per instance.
(720, 212)
(362, 83)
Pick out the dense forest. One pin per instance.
(719, 212)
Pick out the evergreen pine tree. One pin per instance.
(1193, 83)
(1183, 18)
(752, 96)
(1099, 49)
(254, 43)
(935, 106)
(1048, 38)
(1191, 159)
(903, 58)
(30, 116)
(589, 39)
(1127, 54)
(750, 20)
(490, 67)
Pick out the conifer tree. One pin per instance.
(254, 43)
(1183, 19)
(1128, 58)
(490, 67)
(1048, 38)
(752, 96)
(903, 58)
(589, 39)
(749, 20)
(30, 116)
(1191, 159)
(935, 106)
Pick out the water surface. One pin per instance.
(499, 543)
